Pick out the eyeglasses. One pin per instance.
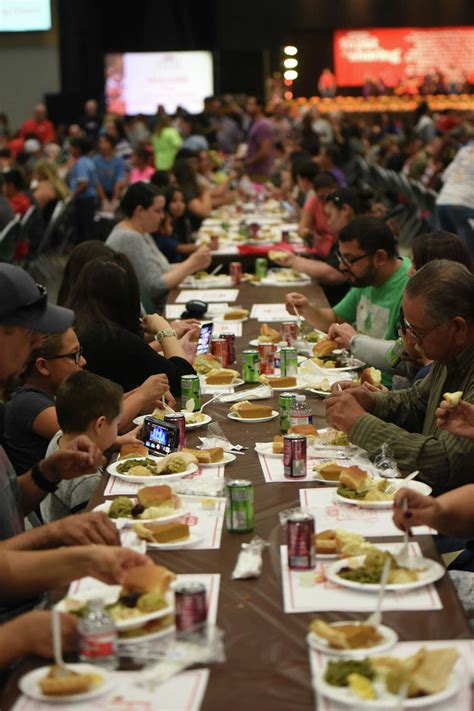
(350, 262)
(336, 199)
(417, 335)
(76, 356)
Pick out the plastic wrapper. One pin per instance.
(285, 515)
(171, 656)
(199, 486)
(386, 463)
(262, 392)
(250, 561)
(217, 438)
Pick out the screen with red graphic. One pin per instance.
(396, 53)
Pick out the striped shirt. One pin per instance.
(406, 421)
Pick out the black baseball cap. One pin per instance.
(23, 302)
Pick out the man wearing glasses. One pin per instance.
(369, 259)
(438, 308)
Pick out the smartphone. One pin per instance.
(160, 437)
(205, 337)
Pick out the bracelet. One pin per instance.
(41, 481)
(160, 335)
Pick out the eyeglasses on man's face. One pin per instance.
(417, 334)
(350, 261)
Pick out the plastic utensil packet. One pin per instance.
(171, 656)
(261, 392)
(386, 463)
(249, 561)
(217, 438)
(199, 486)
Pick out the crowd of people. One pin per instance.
(75, 375)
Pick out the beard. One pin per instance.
(368, 279)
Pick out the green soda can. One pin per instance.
(239, 510)
(261, 267)
(250, 366)
(191, 390)
(285, 403)
(289, 362)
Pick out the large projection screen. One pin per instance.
(137, 82)
(399, 52)
(25, 15)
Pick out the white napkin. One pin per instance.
(261, 392)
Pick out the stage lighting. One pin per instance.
(290, 63)
(288, 95)
(290, 74)
(290, 50)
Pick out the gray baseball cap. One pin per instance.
(25, 303)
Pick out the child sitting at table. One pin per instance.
(90, 405)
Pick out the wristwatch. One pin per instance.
(41, 481)
(164, 333)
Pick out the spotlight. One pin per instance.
(290, 50)
(290, 63)
(288, 94)
(290, 74)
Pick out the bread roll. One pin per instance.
(453, 399)
(324, 348)
(372, 376)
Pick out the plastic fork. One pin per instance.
(375, 618)
(393, 489)
(403, 557)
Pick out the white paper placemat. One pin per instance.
(273, 470)
(183, 691)
(461, 701)
(319, 595)
(175, 311)
(214, 295)
(271, 312)
(329, 513)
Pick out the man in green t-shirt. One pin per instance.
(368, 256)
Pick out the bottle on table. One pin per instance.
(98, 637)
(300, 413)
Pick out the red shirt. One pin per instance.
(325, 239)
(20, 203)
(43, 130)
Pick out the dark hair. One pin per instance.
(186, 153)
(79, 257)
(259, 100)
(5, 152)
(107, 292)
(440, 245)
(15, 177)
(324, 180)
(139, 194)
(108, 137)
(185, 174)
(371, 233)
(143, 154)
(169, 195)
(81, 142)
(358, 200)
(307, 170)
(447, 289)
(161, 178)
(82, 397)
(334, 153)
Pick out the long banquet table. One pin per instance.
(267, 664)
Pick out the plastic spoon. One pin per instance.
(375, 618)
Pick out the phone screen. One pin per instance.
(204, 340)
(160, 437)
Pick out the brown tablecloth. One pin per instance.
(267, 663)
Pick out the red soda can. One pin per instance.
(294, 456)
(190, 609)
(253, 229)
(180, 420)
(267, 358)
(235, 271)
(289, 331)
(231, 353)
(300, 532)
(220, 351)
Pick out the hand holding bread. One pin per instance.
(342, 334)
(456, 418)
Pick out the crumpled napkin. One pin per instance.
(261, 392)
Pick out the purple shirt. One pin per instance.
(260, 131)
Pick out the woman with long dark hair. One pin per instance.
(106, 301)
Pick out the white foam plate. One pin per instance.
(434, 571)
(326, 482)
(130, 622)
(237, 383)
(344, 695)
(112, 469)
(186, 543)
(130, 521)
(227, 459)
(345, 369)
(320, 393)
(233, 416)
(267, 449)
(29, 684)
(398, 483)
(141, 419)
(219, 318)
(390, 638)
(159, 634)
